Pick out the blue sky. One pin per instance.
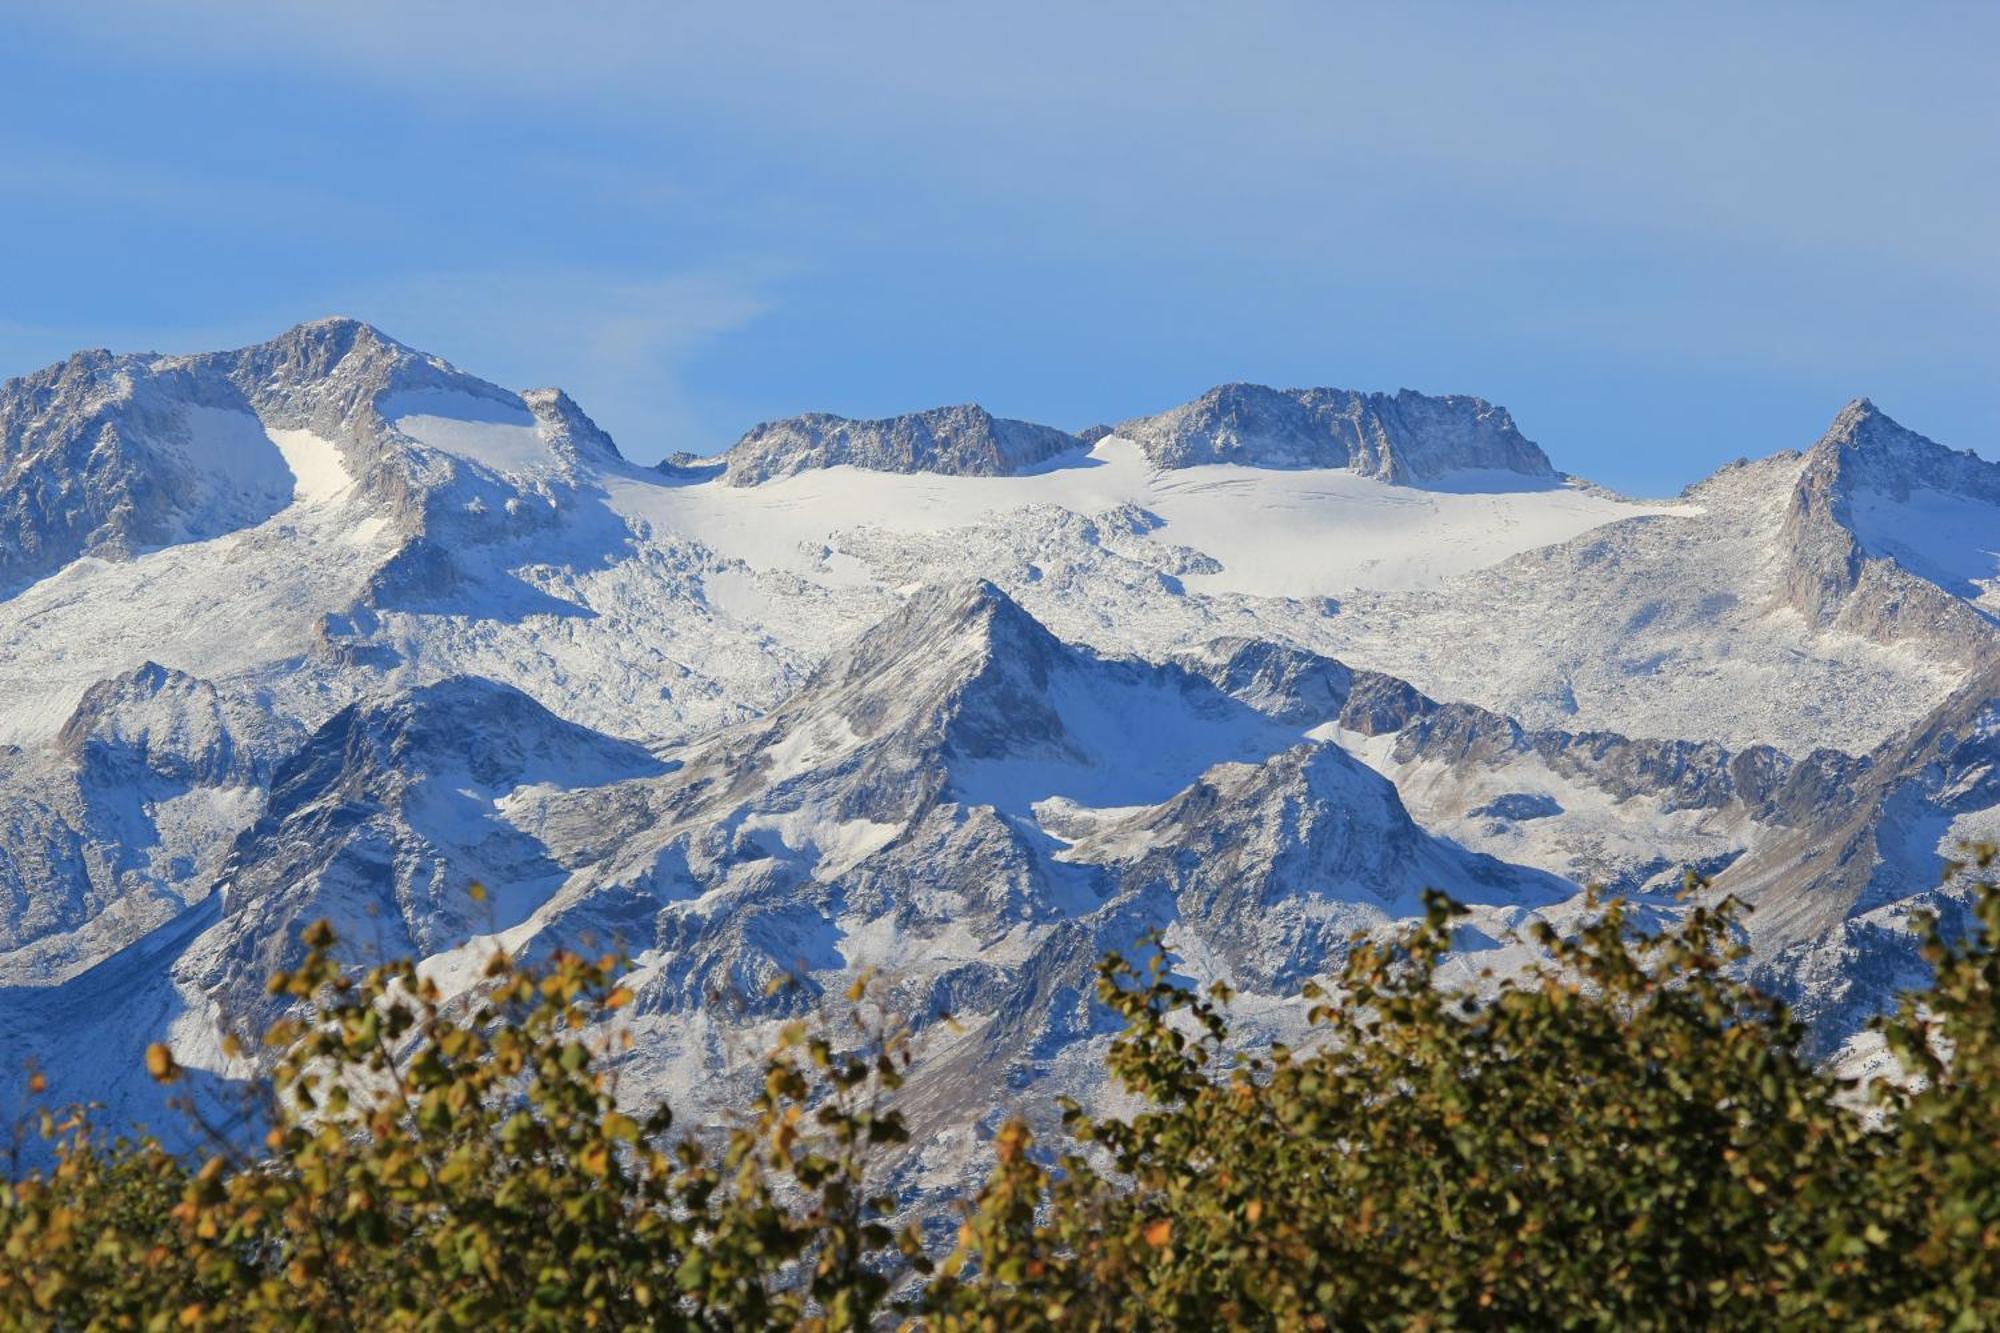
(1664, 235)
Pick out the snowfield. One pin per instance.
(1304, 533)
(327, 628)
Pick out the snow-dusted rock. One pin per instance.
(962, 441)
(327, 627)
(1406, 437)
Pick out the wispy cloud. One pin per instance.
(621, 344)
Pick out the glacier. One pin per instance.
(327, 627)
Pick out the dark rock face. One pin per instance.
(1517, 806)
(1407, 438)
(965, 441)
(382, 818)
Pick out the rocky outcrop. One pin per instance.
(170, 725)
(1833, 579)
(964, 441)
(382, 819)
(1405, 438)
(107, 455)
(570, 432)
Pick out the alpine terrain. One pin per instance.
(326, 627)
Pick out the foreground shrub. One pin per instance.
(470, 1168)
(1626, 1136)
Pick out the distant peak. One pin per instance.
(1864, 446)
(1862, 425)
(1405, 437)
(960, 440)
(1856, 413)
(967, 602)
(965, 612)
(344, 330)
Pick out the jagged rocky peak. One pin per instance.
(1405, 437)
(1867, 448)
(958, 660)
(106, 455)
(568, 427)
(945, 625)
(112, 455)
(340, 378)
(965, 441)
(1888, 533)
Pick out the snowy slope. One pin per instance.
(328, 627)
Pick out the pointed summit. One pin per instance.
(945, 642)
(568, 425)
(1860, 424)
(1887, 530)
(1864, 448)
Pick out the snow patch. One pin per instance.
(1294, 533)
(318, 471)
(1952, 540)
(498, 435)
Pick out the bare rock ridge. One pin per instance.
(1406, 438)
(380, 817)
(963, 441)
(1859, 505)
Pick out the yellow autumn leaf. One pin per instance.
(160, 1063)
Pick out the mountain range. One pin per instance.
(326, 627)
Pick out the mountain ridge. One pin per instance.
(1254, 674)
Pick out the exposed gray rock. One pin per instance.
(385, 816)
(1832, 899)
(1830, 575)
(1517, 806)
(1407, 438)
(964, 441)
(112, 455)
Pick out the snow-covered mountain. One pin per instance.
(326, 627)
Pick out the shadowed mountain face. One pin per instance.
(327, 628)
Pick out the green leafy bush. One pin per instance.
(1625, 1137)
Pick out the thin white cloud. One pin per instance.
(620, 344)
